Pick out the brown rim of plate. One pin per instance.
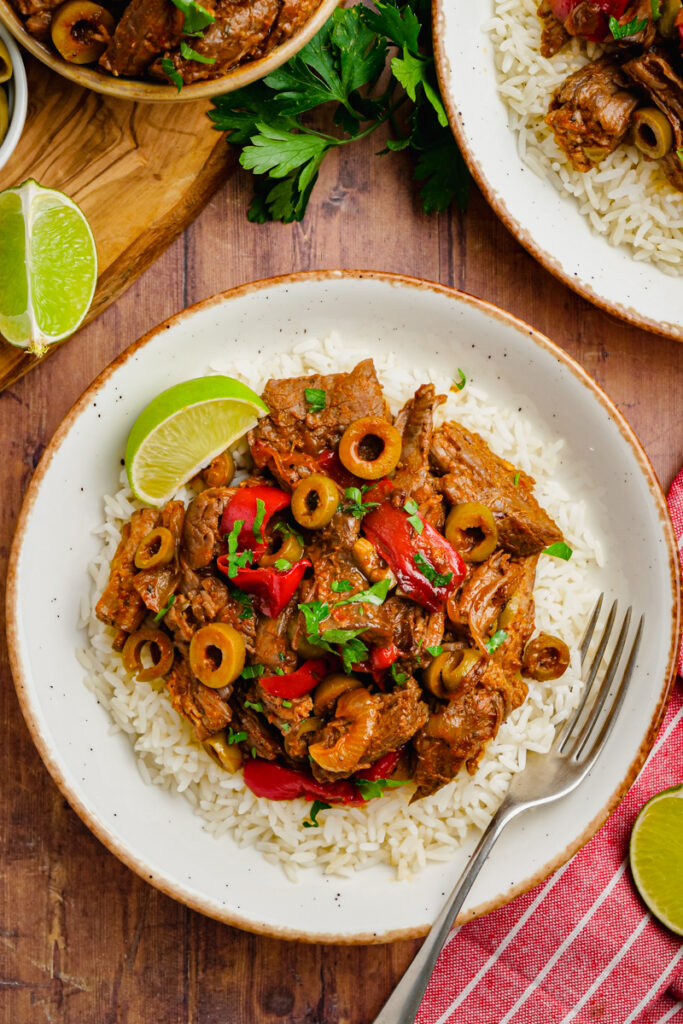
(138, 89)
(109, 839)
(553, 266)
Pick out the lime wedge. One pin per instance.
(183, 429)
(48, 266)
(657, 856)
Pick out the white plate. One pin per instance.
(546, 223)
(156, 833)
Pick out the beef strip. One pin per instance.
(654, 73)
(156, 585)
(482, 597)
(262, 740)
(591, 112)
(272, 648)
(587, 20)
(473, 473)
(146, 28)
(284, 716)
(638, 11)
(35, 7)
(293, 14)
(553, 34)
(120, 604)
(520, 627)
(415, 421)
(201, 539)
(204, 708)
(290, 437)
(401, 714)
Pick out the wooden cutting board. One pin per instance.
(141, 172)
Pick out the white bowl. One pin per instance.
(156, 832)
(17, 94)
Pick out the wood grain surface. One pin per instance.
(141, 172)
(82, 939)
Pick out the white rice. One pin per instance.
(387, 829)
(626, 198)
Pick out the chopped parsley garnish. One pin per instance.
(516, 479)
(371, 788)
(279, 671)
(357, 507)
(498, 638)
(285, 727)
(435, 650)
(352, 650)
(316, 398)
(257, 528)
(679, 154)
(188, 53)
(286, 530)
(256, 705)
(398, 676)
(439, 579)
(160, 614)
(316, 807)
(656, 10)
(252, 671)
(246, 601)
(283, 564)
(286, 703)
(236, 737)
(340, 586)
(253, 752)
(413, 517)
(197, 18)
(559, 550)
(459, 384)
(376, 594)
(236, 561)
(631, 28)
(169, 69)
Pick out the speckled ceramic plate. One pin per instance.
(155, 832)
(546, 223)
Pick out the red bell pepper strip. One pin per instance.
(410, 555)
(296, 684)
(277, 782)
(243, 507)
(271, 588)
(382, 658)
(382, 769)
(679, 26)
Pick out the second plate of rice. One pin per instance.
(129, 764)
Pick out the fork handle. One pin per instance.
(404, 1002)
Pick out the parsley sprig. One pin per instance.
(371, 788)
(344, 65)
(356, 506)
(345, 641)
(237, 561)
(631, 28)
(439, 579)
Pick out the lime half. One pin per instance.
(183, 429)
(48, 266)
(657, 856)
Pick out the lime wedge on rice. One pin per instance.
(183, 429)
(657, 856)
(48, 266)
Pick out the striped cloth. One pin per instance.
(581, 947)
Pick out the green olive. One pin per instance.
(160, 649)
(472, 531)
(227, 755)
(509, 611)
(328, 691)
(368, 561)
(668, 9)
(4, 114)
(314, 501)
(652, 132)
(5, 65)
(447, 671)
(545, 657)
(292, 738)
(291, 549)
(217, 654)
(370, 448)
(156, 549)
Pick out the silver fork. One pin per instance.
(547, 777)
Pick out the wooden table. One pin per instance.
(82, 939)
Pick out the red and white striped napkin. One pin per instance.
(581, 947)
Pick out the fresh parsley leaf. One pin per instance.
(247, 602)
(236, 561)
(315, 398)
(400, 26)
(277, 152)
(631, 28)
(351, 649)
(376, 594)
(498, 638)
(316, 807)
(516, 480)
(169, 69)
(357, 507)
(188, 53)
(256, 705)
(253, 752)
(236, 737)
(559, 550)
(435, 650)
(279, 671)
(285, 727)
(257, 528)
(160, 614)
(459, 384)
(197, 18)
(314, 613)
(252, 671)
(679, 154)
(283, 564)
(439, 579)
(371, 788)
(398, 676)
(413, 517)
(286, 703)
(340, 586)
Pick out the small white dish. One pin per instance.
(17, 95)
(155, 832)
(549, 225)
